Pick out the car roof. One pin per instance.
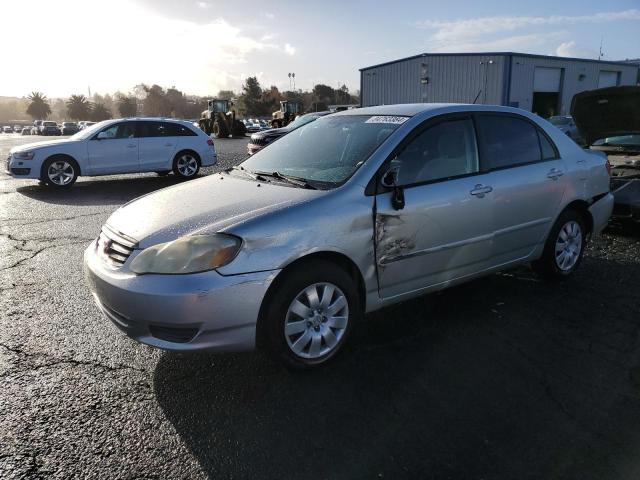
(414, 109)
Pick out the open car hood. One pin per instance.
(607, 112)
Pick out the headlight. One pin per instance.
(23, 155)
(192, 254)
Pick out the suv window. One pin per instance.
(508, 141)
(120, 130)
(445, 150)
(152, 129)
(178, 130)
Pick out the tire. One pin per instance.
(299, 336)
(59, 172)
(186, 165)
(559, 266)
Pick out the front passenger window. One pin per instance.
(443, 151)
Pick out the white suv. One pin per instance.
(113, 147)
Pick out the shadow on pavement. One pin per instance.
(104, 191)
(504, 377)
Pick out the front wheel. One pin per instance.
(311, 314)
(59, 172)
(564, 247)
(186, 165)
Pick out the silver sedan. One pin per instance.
(348, 214)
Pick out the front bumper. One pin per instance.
(201, 311)
(251, 148)
(23, 169)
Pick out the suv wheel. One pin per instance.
(59, 172)
(186, 165)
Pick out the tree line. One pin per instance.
(156, 101)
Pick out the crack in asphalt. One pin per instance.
(47, 220)
(53, 361)
(35, 253)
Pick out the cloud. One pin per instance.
(472, 33)
(198, 58)
(204, 5)
(269, 15)
(571, 49)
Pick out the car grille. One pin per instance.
(114, 247)
(258, 141)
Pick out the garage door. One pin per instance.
(547, 79)
(607, 79)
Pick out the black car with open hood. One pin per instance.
(609, 121)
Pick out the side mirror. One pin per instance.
(103, 136)
(389, 180)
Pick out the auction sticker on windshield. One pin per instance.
(387, 119)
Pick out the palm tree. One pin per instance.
(127, 106)
(39, 107)
(78, 107)
(100, 112)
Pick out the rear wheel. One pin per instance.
(564, 247)
(186, 165)
(59, 172)
(311, 314)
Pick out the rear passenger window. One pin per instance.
(178, 130)
(152, 129)
(507, 141)
(548, 151)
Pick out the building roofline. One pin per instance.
(499, 54)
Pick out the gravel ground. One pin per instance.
(504, 377)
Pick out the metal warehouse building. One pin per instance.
(538, 83)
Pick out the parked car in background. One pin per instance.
(35, 129)
(49, 127)
(566, 125)
(251, 125)
(26, 131)
(116, 146)
(69, 128)
(261, 139)
(7, 129)
(345, 215)
(609, 120)
(17, 128)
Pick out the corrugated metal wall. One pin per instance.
(577, 77)
(459, 78)
(435, 78)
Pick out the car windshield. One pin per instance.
(50, 124)
(620, 141)
(560, 120)
(88, 131)
(328, 150)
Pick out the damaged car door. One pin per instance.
(433, 209)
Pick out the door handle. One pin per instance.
(132, 145)
(554, 174)
(480, 190)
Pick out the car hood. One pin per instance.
(607, 112)
(207, 205)
(271, 133)
(35, 145)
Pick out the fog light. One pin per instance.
(20, 171)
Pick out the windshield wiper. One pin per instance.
(254, 175)
(298, 181)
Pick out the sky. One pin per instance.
(65, 47)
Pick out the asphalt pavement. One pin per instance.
(504, 377)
